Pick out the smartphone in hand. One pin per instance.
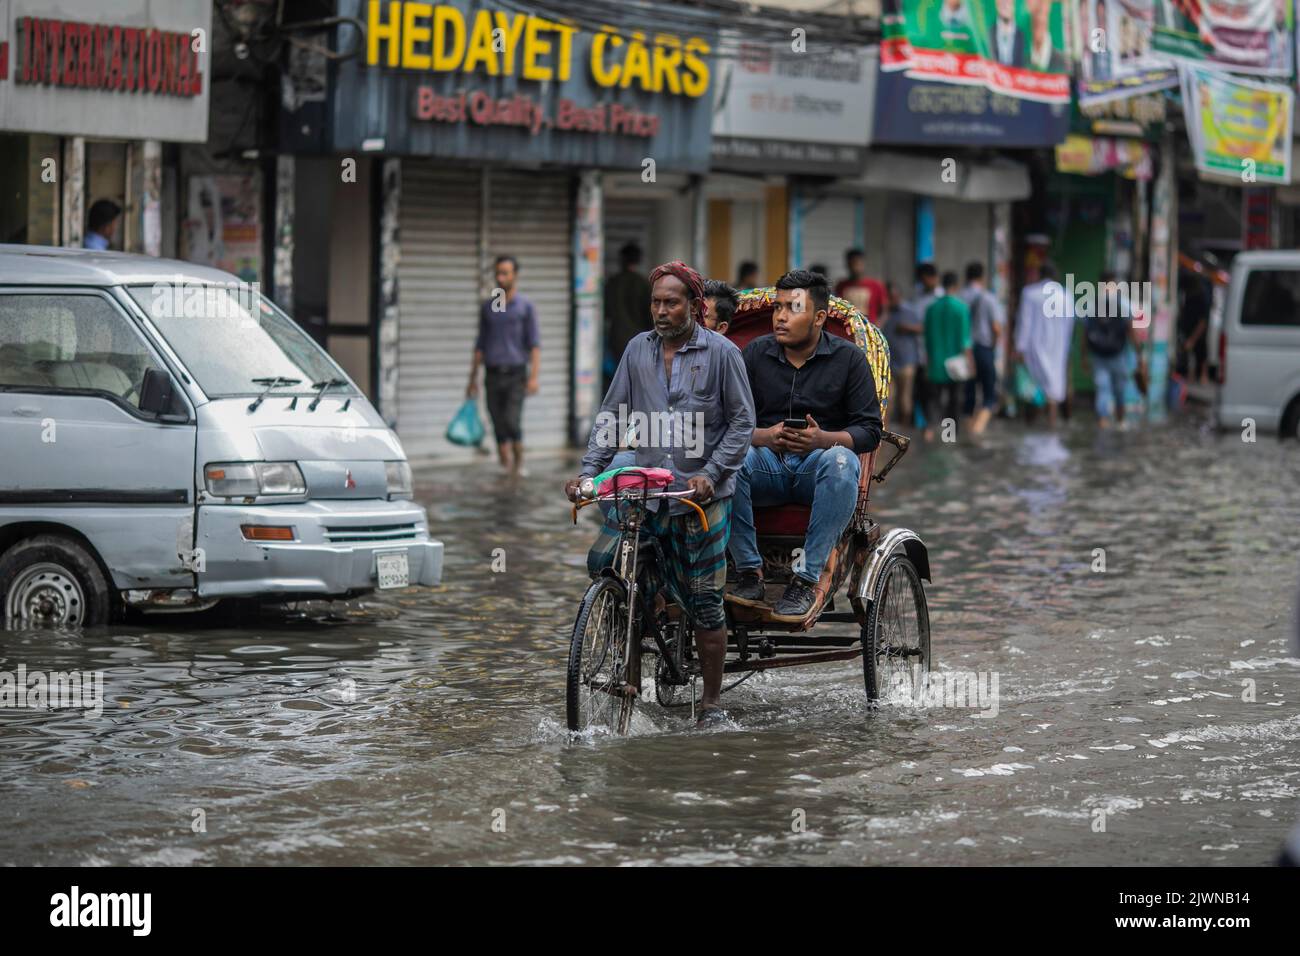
(796, 423)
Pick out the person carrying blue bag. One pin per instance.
(509, 347)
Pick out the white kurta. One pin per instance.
(1044, 327)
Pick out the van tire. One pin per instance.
(76, 589)
(1290, 427)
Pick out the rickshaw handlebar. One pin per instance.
(683, 496)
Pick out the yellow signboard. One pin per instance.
(443, 38)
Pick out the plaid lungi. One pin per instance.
(695, 571)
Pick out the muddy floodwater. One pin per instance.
(1146, 714)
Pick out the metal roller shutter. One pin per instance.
(962, 231)
(530, 220)
(438, 295)
(828, 231)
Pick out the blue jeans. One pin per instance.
(827, 479)
(1110, 375)
(986, 376)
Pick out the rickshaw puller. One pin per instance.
(682, 366)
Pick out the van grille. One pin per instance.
(375, 532)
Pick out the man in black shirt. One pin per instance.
(801, 372)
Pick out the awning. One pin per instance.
(992, 180)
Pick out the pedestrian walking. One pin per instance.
(986, 320)
(1044, 326)
(867, 294)
(509, 348)
(627, 306)
(927, 289)
(1108, 338)
(947, 337)
(903, 328)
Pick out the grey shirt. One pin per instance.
(904, 347)
(700, 423)
(985, 310)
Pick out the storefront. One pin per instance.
(93, 99)
(786, 128)
(488, 131)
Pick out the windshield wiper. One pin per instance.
(275, 382)
(323, 384)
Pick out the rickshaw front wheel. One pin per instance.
(604, 672)
(896, 638)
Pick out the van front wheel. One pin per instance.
(49, 581)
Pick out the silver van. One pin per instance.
(169, 438)
(1260, 344)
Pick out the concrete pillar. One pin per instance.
(142, 218)
(388, 254)
(588, 302)
(73, 228)
(282, 268)
(924, 229)
(699, 223)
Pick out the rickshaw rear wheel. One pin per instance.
(896, 638)
(603, 665)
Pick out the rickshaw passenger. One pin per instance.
(681, 366)
(801, 372)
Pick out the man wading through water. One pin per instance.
(694, 378)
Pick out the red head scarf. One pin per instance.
(693, 281)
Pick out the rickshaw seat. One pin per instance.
(792, 519)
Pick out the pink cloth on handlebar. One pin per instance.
(635, 478)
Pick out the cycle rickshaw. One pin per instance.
(623, 642)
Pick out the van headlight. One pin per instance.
(399, 479)
(253, 479)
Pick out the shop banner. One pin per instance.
(778, 111)
(915, 113)
(1091, 155)
(1014, 47)
(1244, 36)
(1141, 116)
(1117, 59)
(1238, 128)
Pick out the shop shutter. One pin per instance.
(828, 231)
(962, 232)
(438, 295)
(530, 220)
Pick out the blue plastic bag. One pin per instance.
(466, 428)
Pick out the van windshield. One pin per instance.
(233, 340)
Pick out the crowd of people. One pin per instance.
(944, 332)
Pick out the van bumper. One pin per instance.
(333, 552)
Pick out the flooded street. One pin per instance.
(397, 730)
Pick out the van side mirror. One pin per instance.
(158, 396)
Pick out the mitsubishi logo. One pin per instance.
(348, 483)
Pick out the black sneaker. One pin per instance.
(796, 602)
(749, 589)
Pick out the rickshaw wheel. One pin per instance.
(601, 662)
(896, 639)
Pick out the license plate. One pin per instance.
(394, 571)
